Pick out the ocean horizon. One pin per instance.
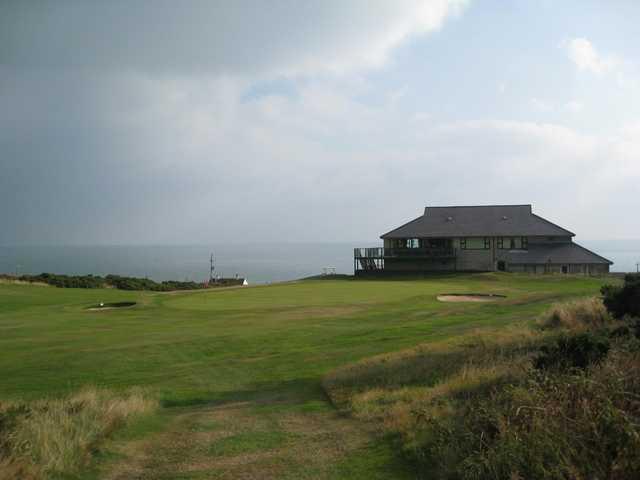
(263, 262)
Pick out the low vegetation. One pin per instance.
(58, 436)
(558, 401)
(112, 281)
(623, 300)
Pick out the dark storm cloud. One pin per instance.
(123, 120)
(208, 36)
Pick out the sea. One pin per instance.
(259, 263)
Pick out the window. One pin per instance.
(475, 243)
(407, 243)
(513, 243)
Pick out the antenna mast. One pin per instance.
(212, 267)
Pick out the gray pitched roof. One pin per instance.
(555, 253)
(485, 220)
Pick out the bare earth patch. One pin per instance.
(22, 282)
(111, 306)
(469, 297)
(240, 441)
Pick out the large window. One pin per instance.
(413, 243)
(475, 243)
(407, 243)
(513, 243)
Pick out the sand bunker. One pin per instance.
(110, 306)
(470, 297)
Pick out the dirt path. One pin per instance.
(259, 440)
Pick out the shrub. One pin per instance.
(577, 351)
(546, 426)
(66, 281)
(576, 315)
(623, 300)
(116, 281)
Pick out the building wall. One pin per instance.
(419, 265)
(572, 268)
(483, 260)
(477, 260)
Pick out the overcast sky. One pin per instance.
(128, 122)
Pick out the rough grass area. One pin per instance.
(474, 407)
(58, 436)
(418, 372)
(396, 390)
(228, 363)
(585, 313)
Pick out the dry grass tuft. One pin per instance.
(430, 364)
(59, 435)
(577, 315)
(395, 391)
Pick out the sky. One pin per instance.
(197, 122)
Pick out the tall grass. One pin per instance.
(58, 436)
(586, 313)
(396, 391)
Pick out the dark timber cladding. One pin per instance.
(479, 238)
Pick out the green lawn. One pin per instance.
(266, 346)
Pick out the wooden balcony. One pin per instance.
(373, 259)
(409, 253)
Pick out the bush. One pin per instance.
(577, 351)
(576, 315)
(66, 281)
(623, 300)
(116, 281)
(547, 426)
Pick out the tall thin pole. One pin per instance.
(211, 269)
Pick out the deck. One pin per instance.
(373, 258)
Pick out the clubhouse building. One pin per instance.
(507, 238)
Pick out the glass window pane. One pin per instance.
(475, 243)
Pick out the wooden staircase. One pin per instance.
(368, 264)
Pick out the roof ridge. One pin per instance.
(554, 224)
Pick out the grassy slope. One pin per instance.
(265, 346)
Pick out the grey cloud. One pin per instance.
(204, 36)
(189, 162)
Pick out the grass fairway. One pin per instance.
(239, 370)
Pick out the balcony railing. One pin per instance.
(382, 253)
